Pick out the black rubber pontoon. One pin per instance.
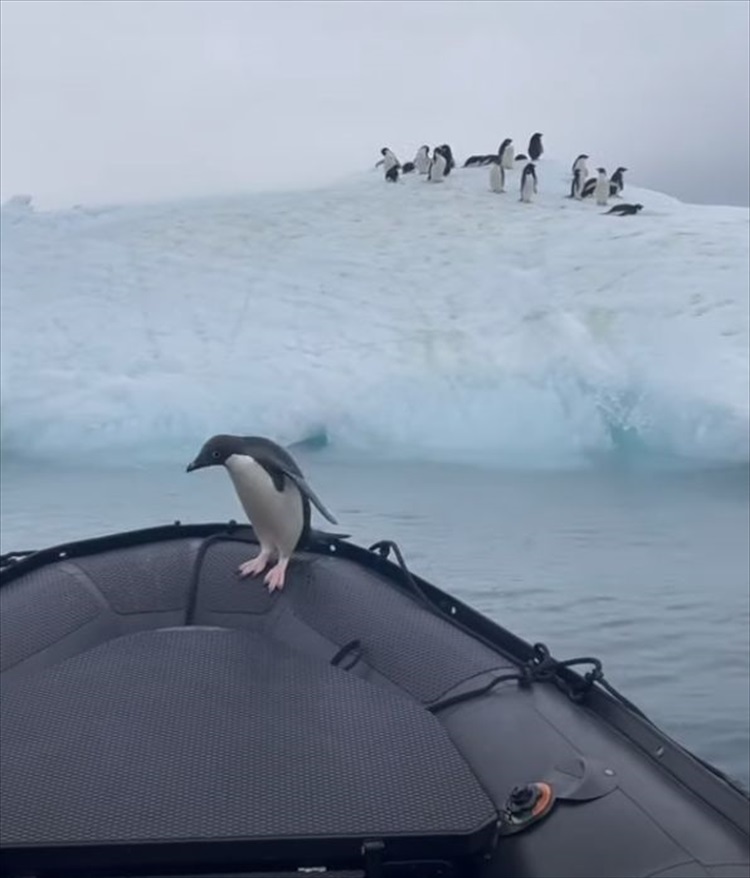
(160, 716)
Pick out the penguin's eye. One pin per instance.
(215, 455)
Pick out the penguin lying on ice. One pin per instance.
(624, 210)
(273, 493)
(476, 161)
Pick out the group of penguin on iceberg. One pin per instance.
(438, 166)
(600, 187)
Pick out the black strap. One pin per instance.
(384, 548)
(372, 853)
(353, 647)
(540, 668)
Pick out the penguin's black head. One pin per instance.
(216, 451)
(583, 156)
(601, 171)
(621, 170)
(638, 206)
(384, 150)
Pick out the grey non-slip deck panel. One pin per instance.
(142, 579)
(334, 600)
(40, 609)
(341, 601)
(192, 733)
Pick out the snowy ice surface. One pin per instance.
(416, 320)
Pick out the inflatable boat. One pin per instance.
(161, 716)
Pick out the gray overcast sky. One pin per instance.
(147, 99)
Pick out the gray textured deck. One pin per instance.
(218, 734)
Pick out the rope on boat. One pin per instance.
(540, 668)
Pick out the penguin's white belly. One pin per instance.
(601, 192)
(496, 178)
(437, 169)
(422, 162)
(508, 158)
(527, 189)
(277, 516)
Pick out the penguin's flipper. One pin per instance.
(307, 491)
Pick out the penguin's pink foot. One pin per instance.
(254, 566)
(274, 579)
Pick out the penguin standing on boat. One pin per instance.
(273, 493)
(528, 183)
(535, 147)
(422, 160)
(601, 187)
(497, 175)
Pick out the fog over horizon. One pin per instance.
(122, 102)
